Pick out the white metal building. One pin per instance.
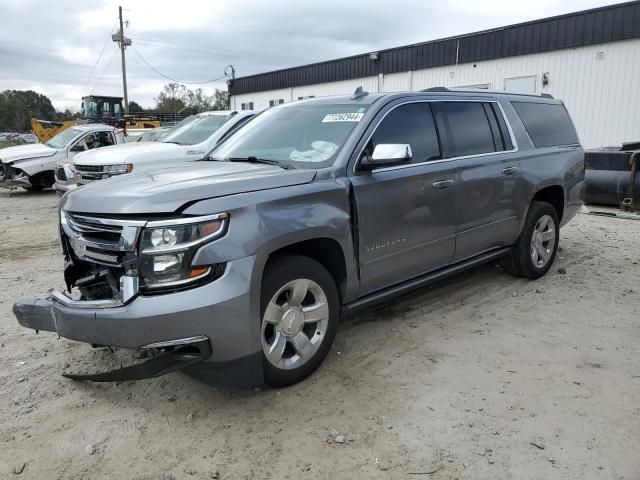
(589, 59)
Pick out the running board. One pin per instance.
(167, 362)
(383, 296)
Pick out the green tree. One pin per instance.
(134, 107)
(221, 100)
(18, 106)
(173, 98)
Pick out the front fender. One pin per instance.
(32, 166)
(261, 223)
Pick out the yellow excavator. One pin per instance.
(95, 109)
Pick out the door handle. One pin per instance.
(442, 184)
(509, 170)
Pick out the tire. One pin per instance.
(40, 181)
(536, 248)
(293, 345)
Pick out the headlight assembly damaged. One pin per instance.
(115, 259)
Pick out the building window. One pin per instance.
(246, 106)
(520, 84)
(278, 101)
(305, 97)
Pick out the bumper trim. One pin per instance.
(177, 342)
(167, 362)
(67, 301)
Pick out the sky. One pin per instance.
(64, 50)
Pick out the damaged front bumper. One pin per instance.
(224, 349)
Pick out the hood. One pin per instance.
(166, 190)
(128, 152)
(23, 152)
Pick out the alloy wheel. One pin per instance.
(543, 241)
(294, 324)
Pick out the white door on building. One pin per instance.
(521, 84)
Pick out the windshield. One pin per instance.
(196, 130)
(64, 138)
(300, 136)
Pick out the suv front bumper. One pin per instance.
(225, 311)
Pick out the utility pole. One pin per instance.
(123, 41)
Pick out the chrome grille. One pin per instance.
(100, 240)
(88, 168)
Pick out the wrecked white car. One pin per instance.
(192, 139)
(32, 167)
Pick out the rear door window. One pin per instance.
(468, 128)
(413, 124)
(547, 124)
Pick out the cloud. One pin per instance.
(52, 47)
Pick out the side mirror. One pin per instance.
(388, 154)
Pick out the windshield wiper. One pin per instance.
(259, 160)
(165, 141)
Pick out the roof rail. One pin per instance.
(482, 90)
(436, 89)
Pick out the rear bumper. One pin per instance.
(225, 311)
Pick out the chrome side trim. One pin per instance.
(110, 221)
(185, 221)
(67, 301)
(443, 160)
(177, 341)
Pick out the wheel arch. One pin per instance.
(553, 195)
(325, 250)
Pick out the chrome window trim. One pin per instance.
(442, 160)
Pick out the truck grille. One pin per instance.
(60, 174)
(100, 240)
(88, 168)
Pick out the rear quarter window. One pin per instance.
(547, 124)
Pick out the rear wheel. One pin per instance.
(300, 309)
(534, 252)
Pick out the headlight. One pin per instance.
(118, 169)
(168, 246)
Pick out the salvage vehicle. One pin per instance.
(238, 268)
(32, 166)
(191, 139)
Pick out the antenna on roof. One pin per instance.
(359, 93)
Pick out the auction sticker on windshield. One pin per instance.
(342, 117)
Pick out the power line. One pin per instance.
(93, 70)
(288, 32)
(171, 78)
(233, 53)
(115, 50)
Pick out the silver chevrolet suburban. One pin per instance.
(236, 269)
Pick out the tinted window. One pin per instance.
(413, 124)
(547, 124)
(468, 127)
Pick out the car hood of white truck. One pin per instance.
(135, 153)
(24, 152)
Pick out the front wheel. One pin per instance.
(536, 248)
(300, 306)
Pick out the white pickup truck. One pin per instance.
(192, 139)
(32, 166)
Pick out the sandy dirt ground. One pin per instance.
(482, 376)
